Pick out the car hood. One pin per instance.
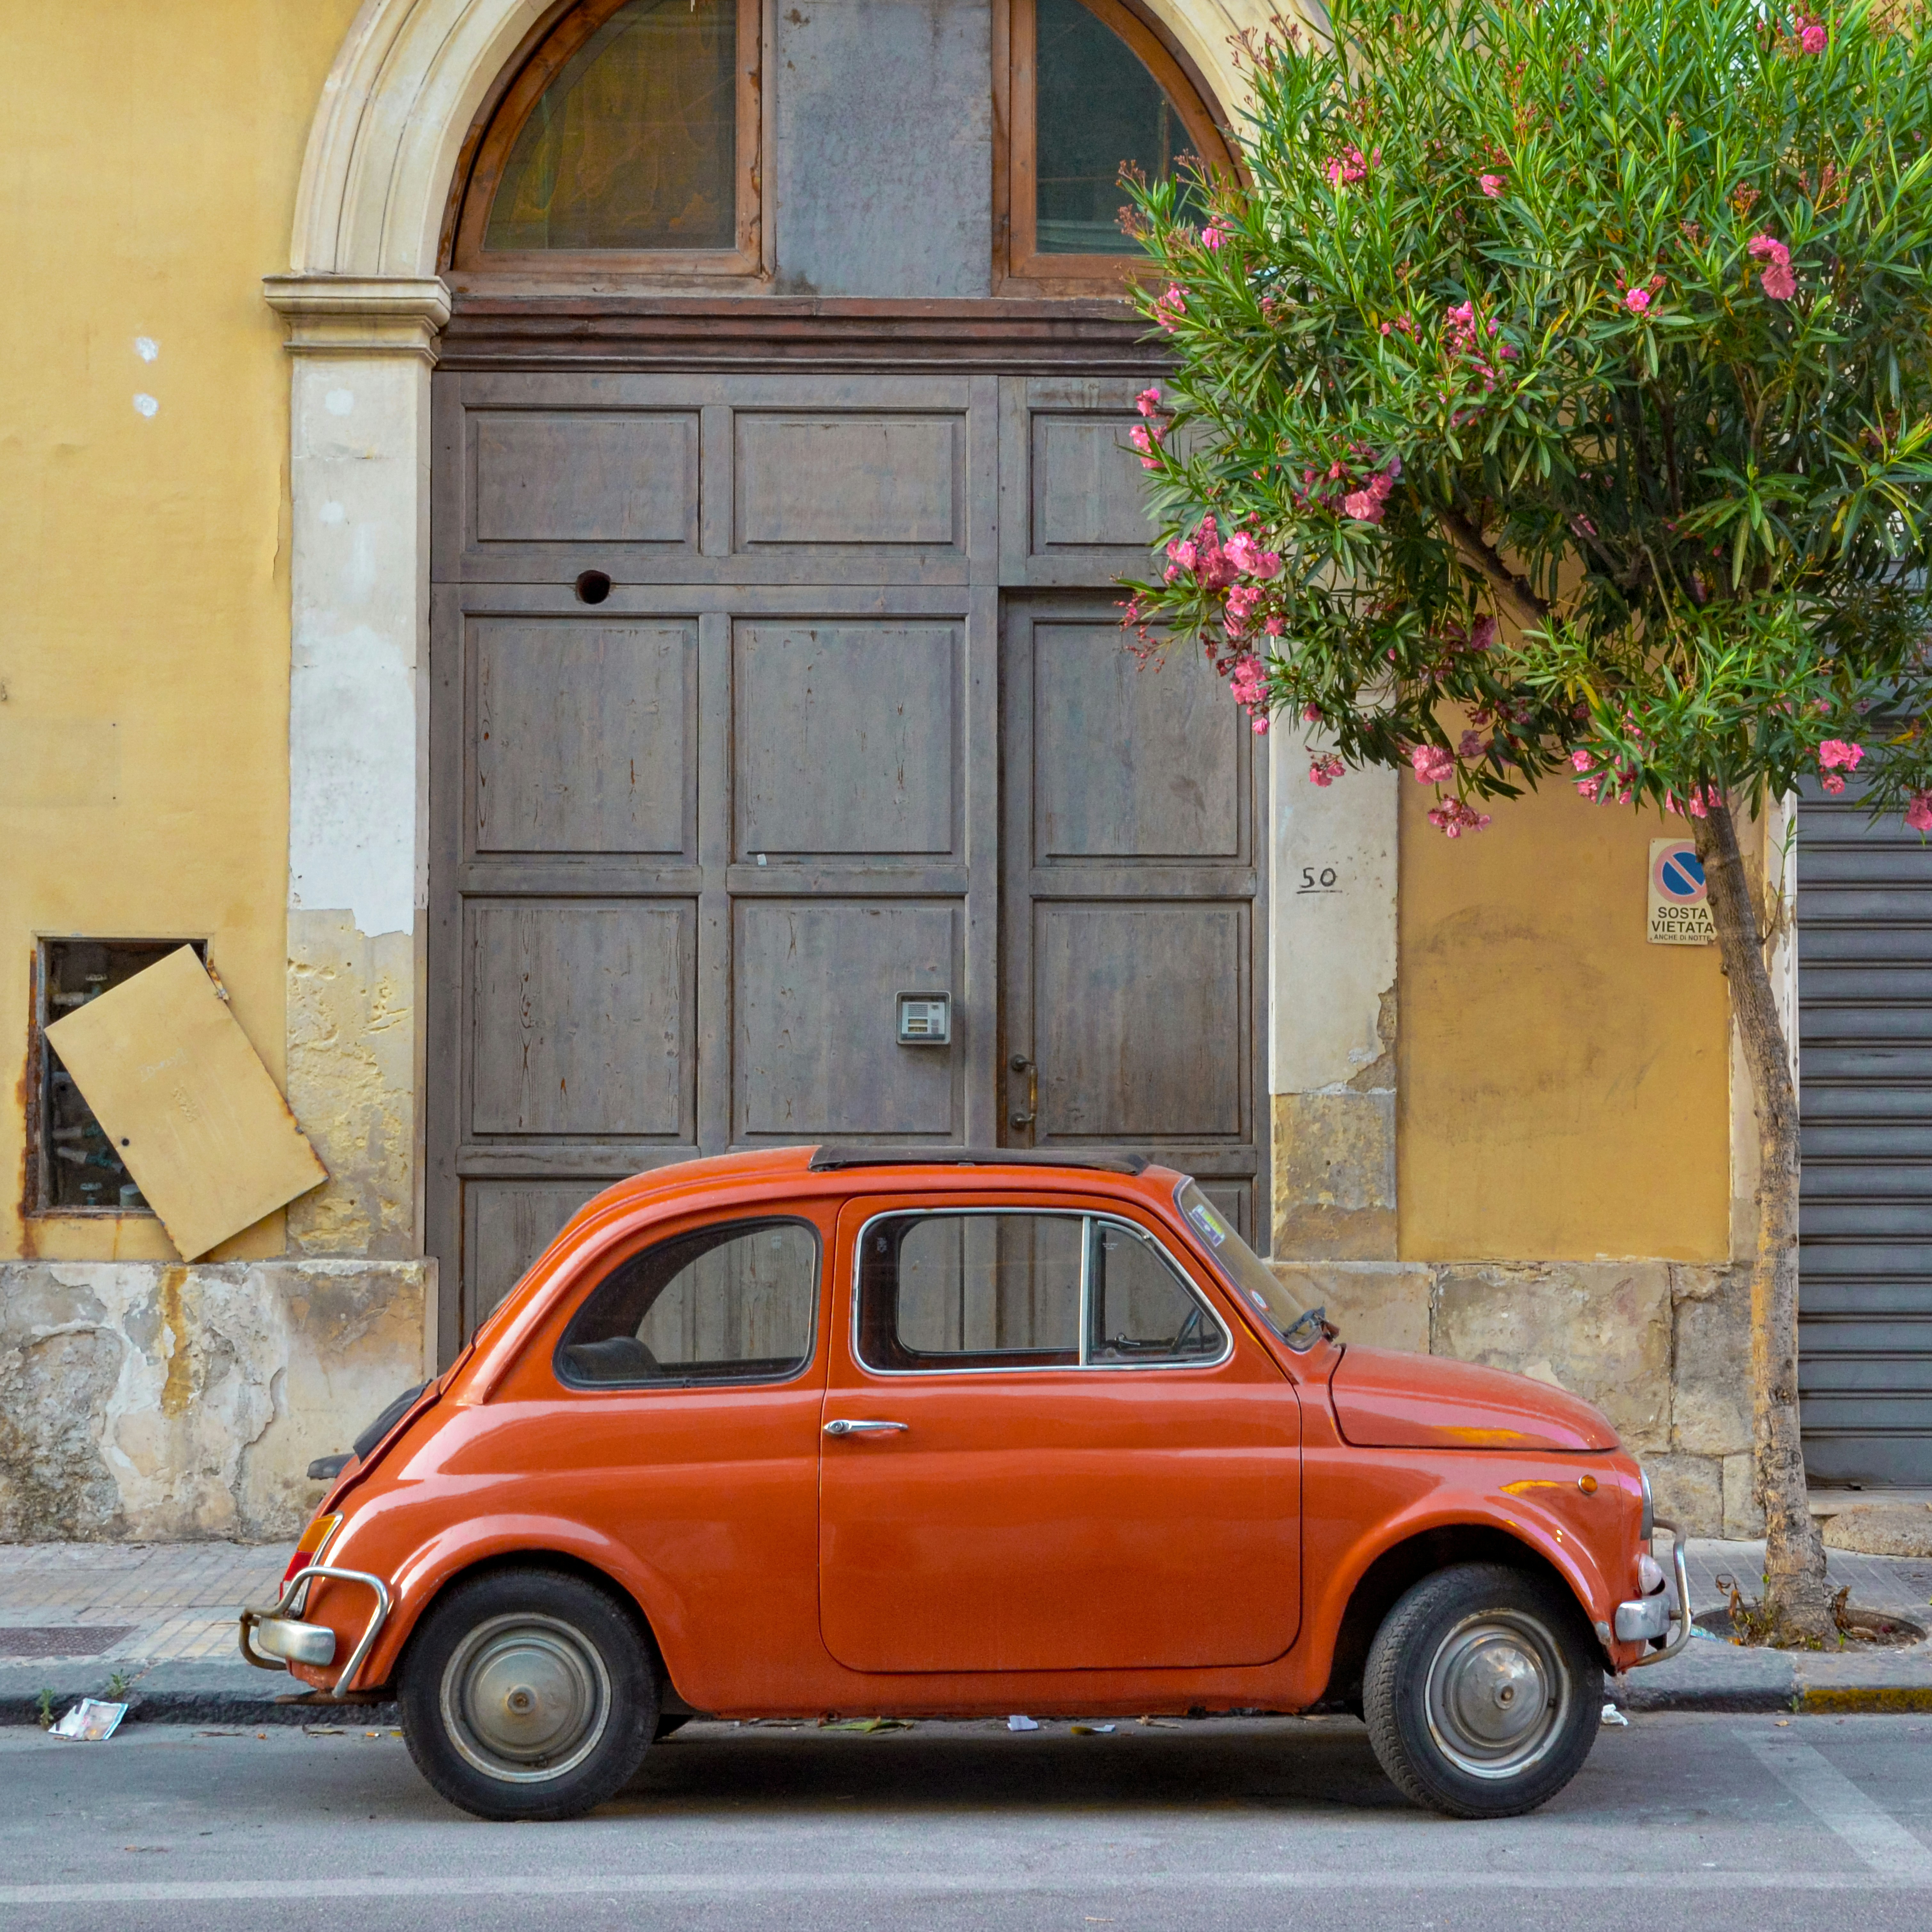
(1386, 1400)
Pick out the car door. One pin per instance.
(1045, 1447)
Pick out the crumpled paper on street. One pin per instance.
(90, 1722)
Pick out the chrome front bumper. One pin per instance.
(1645, 1619)
(271, 1639)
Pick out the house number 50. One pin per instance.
(1314, 881)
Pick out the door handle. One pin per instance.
(841, 1426)
(1021, 1064)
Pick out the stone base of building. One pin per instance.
(146, 1401)
(1662, 1348)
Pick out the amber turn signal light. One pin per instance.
(314, 1541)
(1587, 1484)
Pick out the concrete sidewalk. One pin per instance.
(75, 1617)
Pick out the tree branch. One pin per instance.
(1512, 591)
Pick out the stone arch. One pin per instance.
(411, 75)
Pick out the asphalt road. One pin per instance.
(1721, 1821)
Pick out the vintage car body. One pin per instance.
(1225, 1533)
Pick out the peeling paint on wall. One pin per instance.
(351, 1083)
(162, 1401)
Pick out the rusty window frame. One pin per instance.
(1019, 268)
(493, 136)
(38, 1202)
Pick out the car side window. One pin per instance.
(997, 1290)
(733, 1303)
(1139, 1309)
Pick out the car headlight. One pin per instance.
(1649, 1525)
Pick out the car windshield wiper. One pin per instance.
(1319, 1316)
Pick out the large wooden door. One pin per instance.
(715, 768)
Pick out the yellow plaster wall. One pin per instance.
(1564, 1085)
(149, 172)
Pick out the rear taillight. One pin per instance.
(314, 1541)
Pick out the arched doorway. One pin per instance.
(779, 491)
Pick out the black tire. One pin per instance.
(528, 1694)
(1483, 1692)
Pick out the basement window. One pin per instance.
(73, 1166)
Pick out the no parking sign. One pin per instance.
(1680, 908)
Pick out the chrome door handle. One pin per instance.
(841, 1426)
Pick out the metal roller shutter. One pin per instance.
(1864, 985)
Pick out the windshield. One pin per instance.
(1251, 1278)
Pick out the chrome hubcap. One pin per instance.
(1497, 1694)
(525, 1698)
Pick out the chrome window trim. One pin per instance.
(1083, 1366)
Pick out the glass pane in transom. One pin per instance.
(1098, 110)
(633, 146)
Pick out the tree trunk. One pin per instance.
(1795, 1587)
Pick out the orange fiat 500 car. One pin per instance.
(800, 1432)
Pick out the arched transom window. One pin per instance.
(634, 140)
(1094, 91)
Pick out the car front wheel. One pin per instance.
(528, 1694)
(1484, 1692)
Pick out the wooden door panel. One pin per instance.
(1076, 510)
(580, 476)
(1140, 1030)
(1133, 760)
(816, 1052)
(1134, 930)
(584, 737)
(846, 479)
(508, 1223)
(848, 739)
(581, 1018)
(712, 478)
(1089, 490)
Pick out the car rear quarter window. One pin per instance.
(735, 1302)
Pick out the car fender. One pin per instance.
(417, 1582)
(1525, 1518)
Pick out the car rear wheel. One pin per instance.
(1484, 1692)
(528, 1694)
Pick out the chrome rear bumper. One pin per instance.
(272, 1640)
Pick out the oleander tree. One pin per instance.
(1552, 404)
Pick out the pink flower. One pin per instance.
(1809, 31)
(1433, 765)
(1170, 307)
(1148, 401)
(1919, 813)
(1698, 805)
(1636, 300)
(1212, 237)
(1181, 552)
(1832, 783)
(1454, 818)
(1834, 752)
(1363, 507)
(1311, 714)
(1248, 557)
(1350, 167)
(1482, 633)
(1241, 602)
(1491, 185)
(1472, 746)
(1261, 727)
(1324, 770)
(1777, 280)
